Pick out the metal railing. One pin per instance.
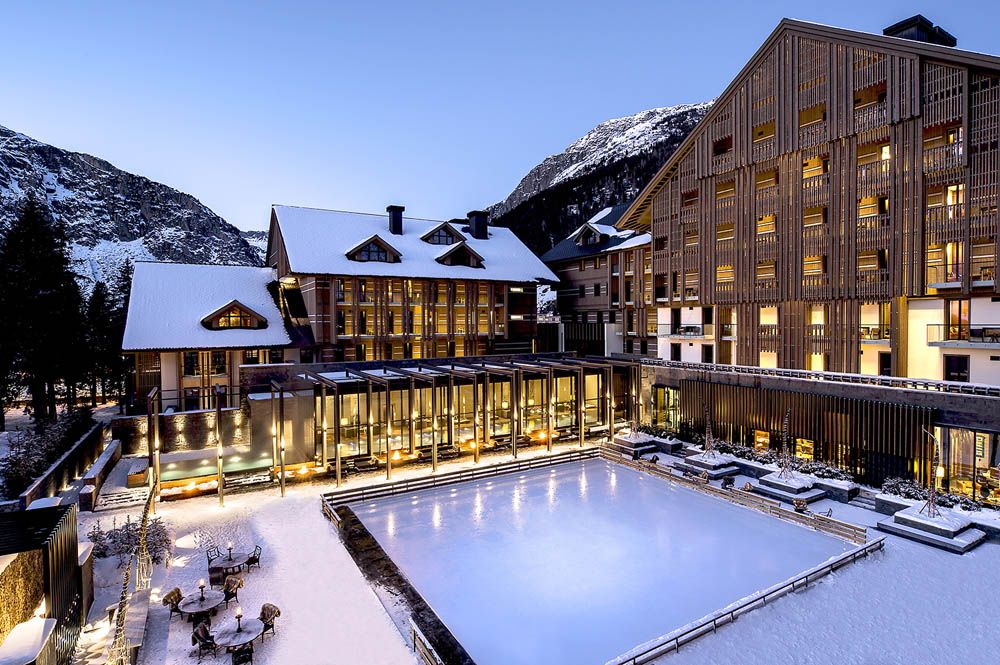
(674, 641)
(944, 274)
(951, 387)
(873, 176)
(943, 157)
(331, 500)
(988, 333)
(874, 332)
(685, 330)
(869, 116)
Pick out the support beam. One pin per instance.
(218, 444)
(281, 437)
(476, 444)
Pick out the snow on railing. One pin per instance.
(686, 634)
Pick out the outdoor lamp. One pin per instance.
(201, 586)
(229, 546)
(239, 619)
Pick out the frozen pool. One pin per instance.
(580, 562)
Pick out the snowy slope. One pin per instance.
(609, 142)
(112, 216)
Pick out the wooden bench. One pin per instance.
(135, 622)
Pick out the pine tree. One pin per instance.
(42, 300)
(103, 340)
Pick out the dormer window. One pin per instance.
(461, 254)
(588, 236)
(442, 234)
(440, 237)
(374, 249)
(372, 252)
(234, 316)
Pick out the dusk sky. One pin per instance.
(441, 108)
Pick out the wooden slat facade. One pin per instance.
(819, 178)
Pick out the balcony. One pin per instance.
(766, 198)
(764, 149)
(944, 276)
(817, 337)
(873, 232)
(812, 134)
(873, 178)
(727, 331)
(986, 335)
(874, 333)
(687, 330)
(873, 283)
(815, 190)
(943, 158)
(770, 336)
(725, 210)
(722, 163)
(944, 220)
(869, 116)
(689, 214)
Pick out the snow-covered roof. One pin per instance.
(318, 242)
(168, 302)
(611, 238)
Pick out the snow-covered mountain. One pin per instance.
(608, 165)
(112, 216)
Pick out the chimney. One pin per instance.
(920, 29)
(478, 226)
(395, 219)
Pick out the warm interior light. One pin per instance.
(343, 421)
(396, 456)
(303, 471)
(940, 472)
(542, 436)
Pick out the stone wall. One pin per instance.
(189, 430)
(22, 587)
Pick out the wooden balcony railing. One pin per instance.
(770, 336)
(764, 149)
(815, 190)
(869, 116)
(812, 134)
(873, 178)
(943, 158)
(722, 163)
(766, 198)
(873, 282)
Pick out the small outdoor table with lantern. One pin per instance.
(238, 631)
(203, 600)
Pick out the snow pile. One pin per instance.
(948, 519)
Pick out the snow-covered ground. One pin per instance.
(539, 554)
(911, 603)
(329, 615)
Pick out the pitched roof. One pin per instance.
(612, 238)
(316, 242)
(637, 213)
(168, 302)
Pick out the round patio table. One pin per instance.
(227, 636)
(193, 604)
(231, 565)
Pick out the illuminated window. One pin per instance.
(814, 265)
(766, 224)
(441, 237)
(725, 275)
(235, 317)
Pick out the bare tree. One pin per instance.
(930, 506)
(785, 462)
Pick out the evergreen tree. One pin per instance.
(103, 341)
(42, 301)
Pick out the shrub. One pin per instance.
(770, 456)
(654, 430)
(120, 541)
(909, 489)
(30, 453)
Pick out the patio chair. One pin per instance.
(728, 483)
(827, 513)
(254, 559)
(268, 613)
(216, 576)
(747, 486)
(243, 655)
(203, 639)
(231, 589)
(800, 506)
(172, 600)
(212, 553)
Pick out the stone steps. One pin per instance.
(960, 544)
(863, 502)
(808, 496)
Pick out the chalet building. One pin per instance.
(605, 293)
(190, 327)
(339, 286)
(836, 211)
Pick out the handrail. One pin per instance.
(843, 530)
(955, 387)
(331, 500)
(673, 641)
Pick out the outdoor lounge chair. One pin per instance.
(268, 613)
(254, 558)
(203, 639)
(172, 600)
(231, 589)
(243, 655)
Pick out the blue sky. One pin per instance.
(441, 107)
